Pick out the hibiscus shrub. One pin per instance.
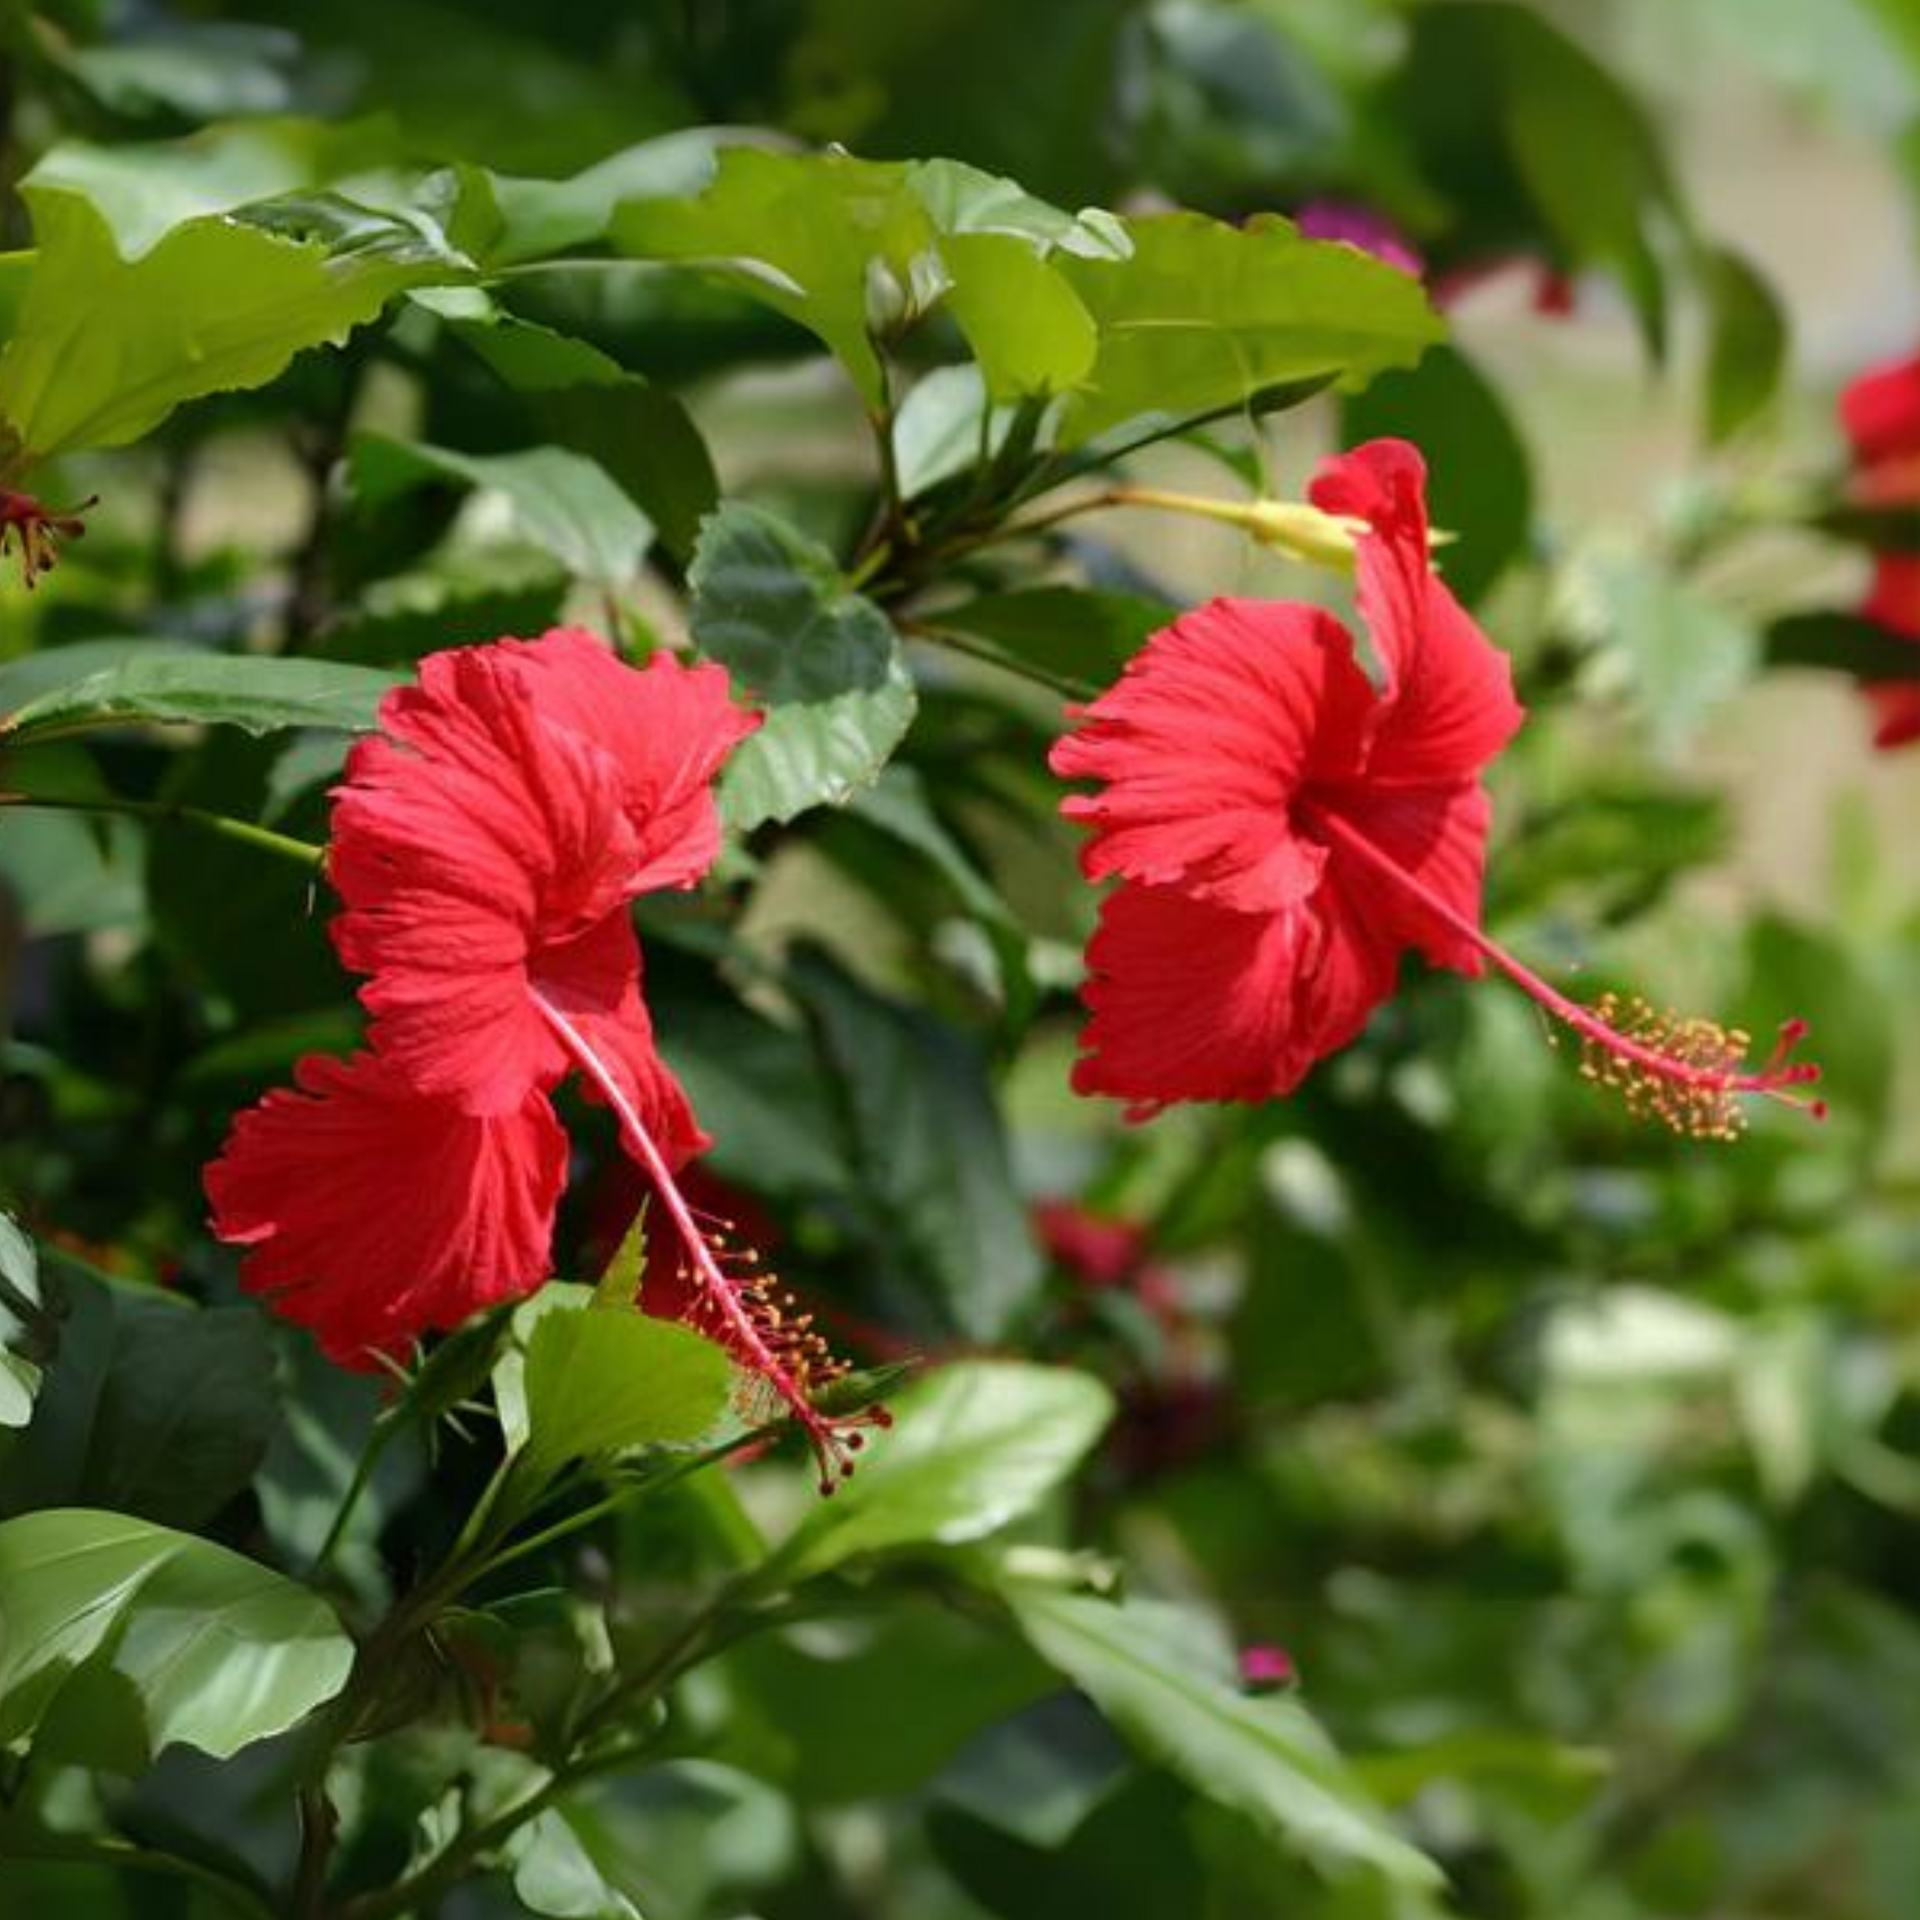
(769, 1138)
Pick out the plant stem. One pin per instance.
(126, 1857)
(221, 825)
(318, 1826)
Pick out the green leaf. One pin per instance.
(23, 1336)
(857, 251)
(974, 1446)
(927, 1138)
(771, 606)
(1510, 119)
(168, 686)
(584, 400)
(144, 189)
(554, 1874)
(150, 1406)
(1203, 316)
(1081, 636)
(598, 1380)
(1165, 1682)
(123, 1638)
(564, 503)
(1027, 327)
(842, 246)
(1843, 642)
(1747, 344)
(1479, 476)
(106, 347)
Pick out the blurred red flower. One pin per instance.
(1283, 830)
(1880, 412)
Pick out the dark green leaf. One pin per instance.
(1479, 476)
(151, 1406)
(124, 1637)
(974, 1446)
(927, 1138)
(168, 686)
(772, 607)
(1076, 636)
(1844, 642)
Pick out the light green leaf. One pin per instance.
(771, 606)
(167, 686)
(122, 1638)
(1203, 316)
(21, 1334)
(105, 347)
(927, 1138)
(839, 245)
(598, 1380)
(1026, 325)
(973, 1446)
(144, 189)
(555, 1875)
(562, 502)
(1166, 1682)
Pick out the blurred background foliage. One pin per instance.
(1573, 1467)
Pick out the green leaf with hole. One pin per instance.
(122, 1638)
(773, 608)
(107, 345)
(973, 1447)
(164, 686)
(1166, 1681)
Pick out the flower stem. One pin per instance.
(222, 826)
(1706, 1076)
(721, 1297)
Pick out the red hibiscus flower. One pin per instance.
(1284, 828)
(486, 846)
(1881, 414)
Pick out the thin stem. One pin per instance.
(318, 1826)
(720, 1297)
(1674, 1069)
(1061, 683)
(150, 1860)
(222, 825)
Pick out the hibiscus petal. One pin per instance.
(1204, 742)
(596, 982)
(371, 1214)
(1448, 705)
(668, 728)
(1881, 412)
(1192, 1001)
(462, 847)
(1896, 707)
(1437, 837)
